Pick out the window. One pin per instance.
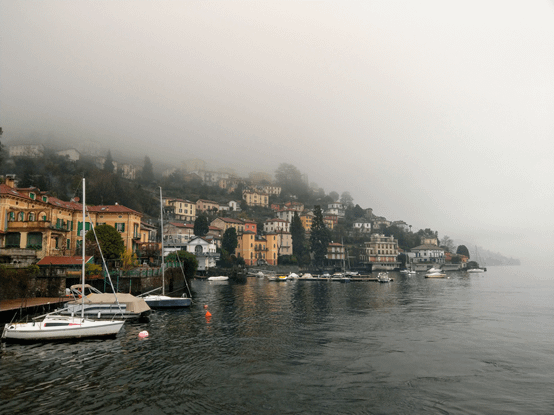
(32, 196)
(21, 216)
(68, 243)
(120, 227)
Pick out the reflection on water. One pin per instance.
(466, 344)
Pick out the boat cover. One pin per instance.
(134, 304)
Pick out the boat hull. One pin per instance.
(60, 328)
(164, 301)
(435, 275)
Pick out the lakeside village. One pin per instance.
(275, 223)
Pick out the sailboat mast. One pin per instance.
(83, 258)
(162, 239)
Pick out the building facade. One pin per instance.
(381, 251)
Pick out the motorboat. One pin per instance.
(475, 270)
(435, 273)
(54, 326)
(218, 278)
(293, 276)
(383, 277)
(99, 305)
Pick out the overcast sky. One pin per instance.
(439, 113)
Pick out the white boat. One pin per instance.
(435, 273)
(161, 300)
(218, 278)
(293, 276)
(475, 270)
(57, 327)
(281, 278)
(98, 305)
(383, 277)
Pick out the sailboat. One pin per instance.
(57, 327)
(162, 300)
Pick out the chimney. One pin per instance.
(10, 180)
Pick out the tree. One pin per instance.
(290, 179)
(108, 164)
(147, 170)
(319, 237)
(201, 226)
(187, 260)
(298, 235)
(128, 260)
(346, 199)
(447, 244)
(462, 250)
(334, 195)
(229, 241)
(110, 241)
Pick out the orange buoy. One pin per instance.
(208, 314)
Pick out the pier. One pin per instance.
(21, 307)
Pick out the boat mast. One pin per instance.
(83, 258)
(162, 239)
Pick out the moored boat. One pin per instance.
(383, 277)
(98, 305)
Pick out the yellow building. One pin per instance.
(226, 223)
(36, 225)
(182, 209)
(307, 219)
(255, 198)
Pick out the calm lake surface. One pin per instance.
(469, 344)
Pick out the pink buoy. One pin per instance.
(143, 334)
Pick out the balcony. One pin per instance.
(28, 226)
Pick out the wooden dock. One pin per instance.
(29, 306)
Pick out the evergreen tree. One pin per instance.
(462, 250)
(201, 226)
(298, 236)
(147, 170)
(319, 237)
(229, 241)
(108, 164)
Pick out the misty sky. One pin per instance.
(439, 113)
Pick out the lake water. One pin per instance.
(469, 344)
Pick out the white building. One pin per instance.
(26, 150)
(286, 214)
(362, 225)
(276, 225)
(205, 251)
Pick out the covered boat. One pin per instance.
(100, 305)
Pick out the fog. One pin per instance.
(439, 113)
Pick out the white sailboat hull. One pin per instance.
(60, 328)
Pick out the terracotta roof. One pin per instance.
(63, 260)
(181, 225)
(7, 190)
(231, 220)
(276, 220)
(112, 209)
